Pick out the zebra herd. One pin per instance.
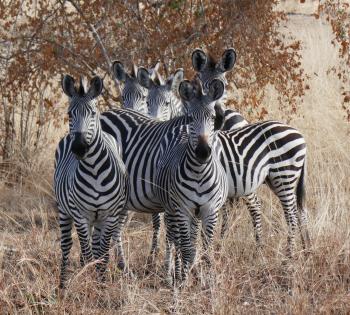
(173, 148)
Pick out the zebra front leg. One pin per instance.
(209, 220)
(172, 238)
(66, 224)
(96, 234)
(254, 207)
(169, 242)
(107, 229)
(82, 228)
(156, 229)
(188, 250)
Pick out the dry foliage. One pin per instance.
(338, 14)
(43, 39)
(51, 37)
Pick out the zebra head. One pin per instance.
(134, 95)
(208, 68)
(205, 117)
(84, 121)
(161, 101)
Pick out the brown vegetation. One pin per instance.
(241, 280)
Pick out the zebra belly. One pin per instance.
(246, 183)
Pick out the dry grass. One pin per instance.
(241, 280)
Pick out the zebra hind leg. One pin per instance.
(155, 239)
(119, 252)
(66, 224)
(231, 203)
(254, 206)
(289, 205)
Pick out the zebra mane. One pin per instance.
(198, 86)
(211, 61)
(158, 80)
(82, 90)
(133, 73)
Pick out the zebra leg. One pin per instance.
(91, 235)
(66, 224)
(304, 232)
(168, 247)
(185, 246)
(254, 207)
(209, 220)
(155, 238)
(82, 228)
(119, 253)
(96, 234)
(107, 229)
(172, 238)
(225, 212)
(288, 202)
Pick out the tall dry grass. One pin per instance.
(241, 280)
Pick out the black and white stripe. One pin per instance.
(161, 100)
(90, 180)
(134, 95)
(208, 69)
(191, 182)
(257, 150)
(273, 153)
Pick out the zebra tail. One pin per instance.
(300, 192)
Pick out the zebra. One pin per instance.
(252, 201)
(191, 182)
(161, 100)
(134, 96)
(273, 153)
(208, 69)
(158, 101)
(90, 180)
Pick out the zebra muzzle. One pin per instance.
(202, 151)
(79, 145)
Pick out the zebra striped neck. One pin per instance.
(97, 149)
(191, 162)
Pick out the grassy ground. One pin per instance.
(241, 280)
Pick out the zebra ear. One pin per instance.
(143, 77)
(96, 86)
(68, 85)
(154, 70)
(216, 89)
(159, 79)
(119, 71)
(227, 61)
(186, 90)
(199, 60)
(174, 81)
